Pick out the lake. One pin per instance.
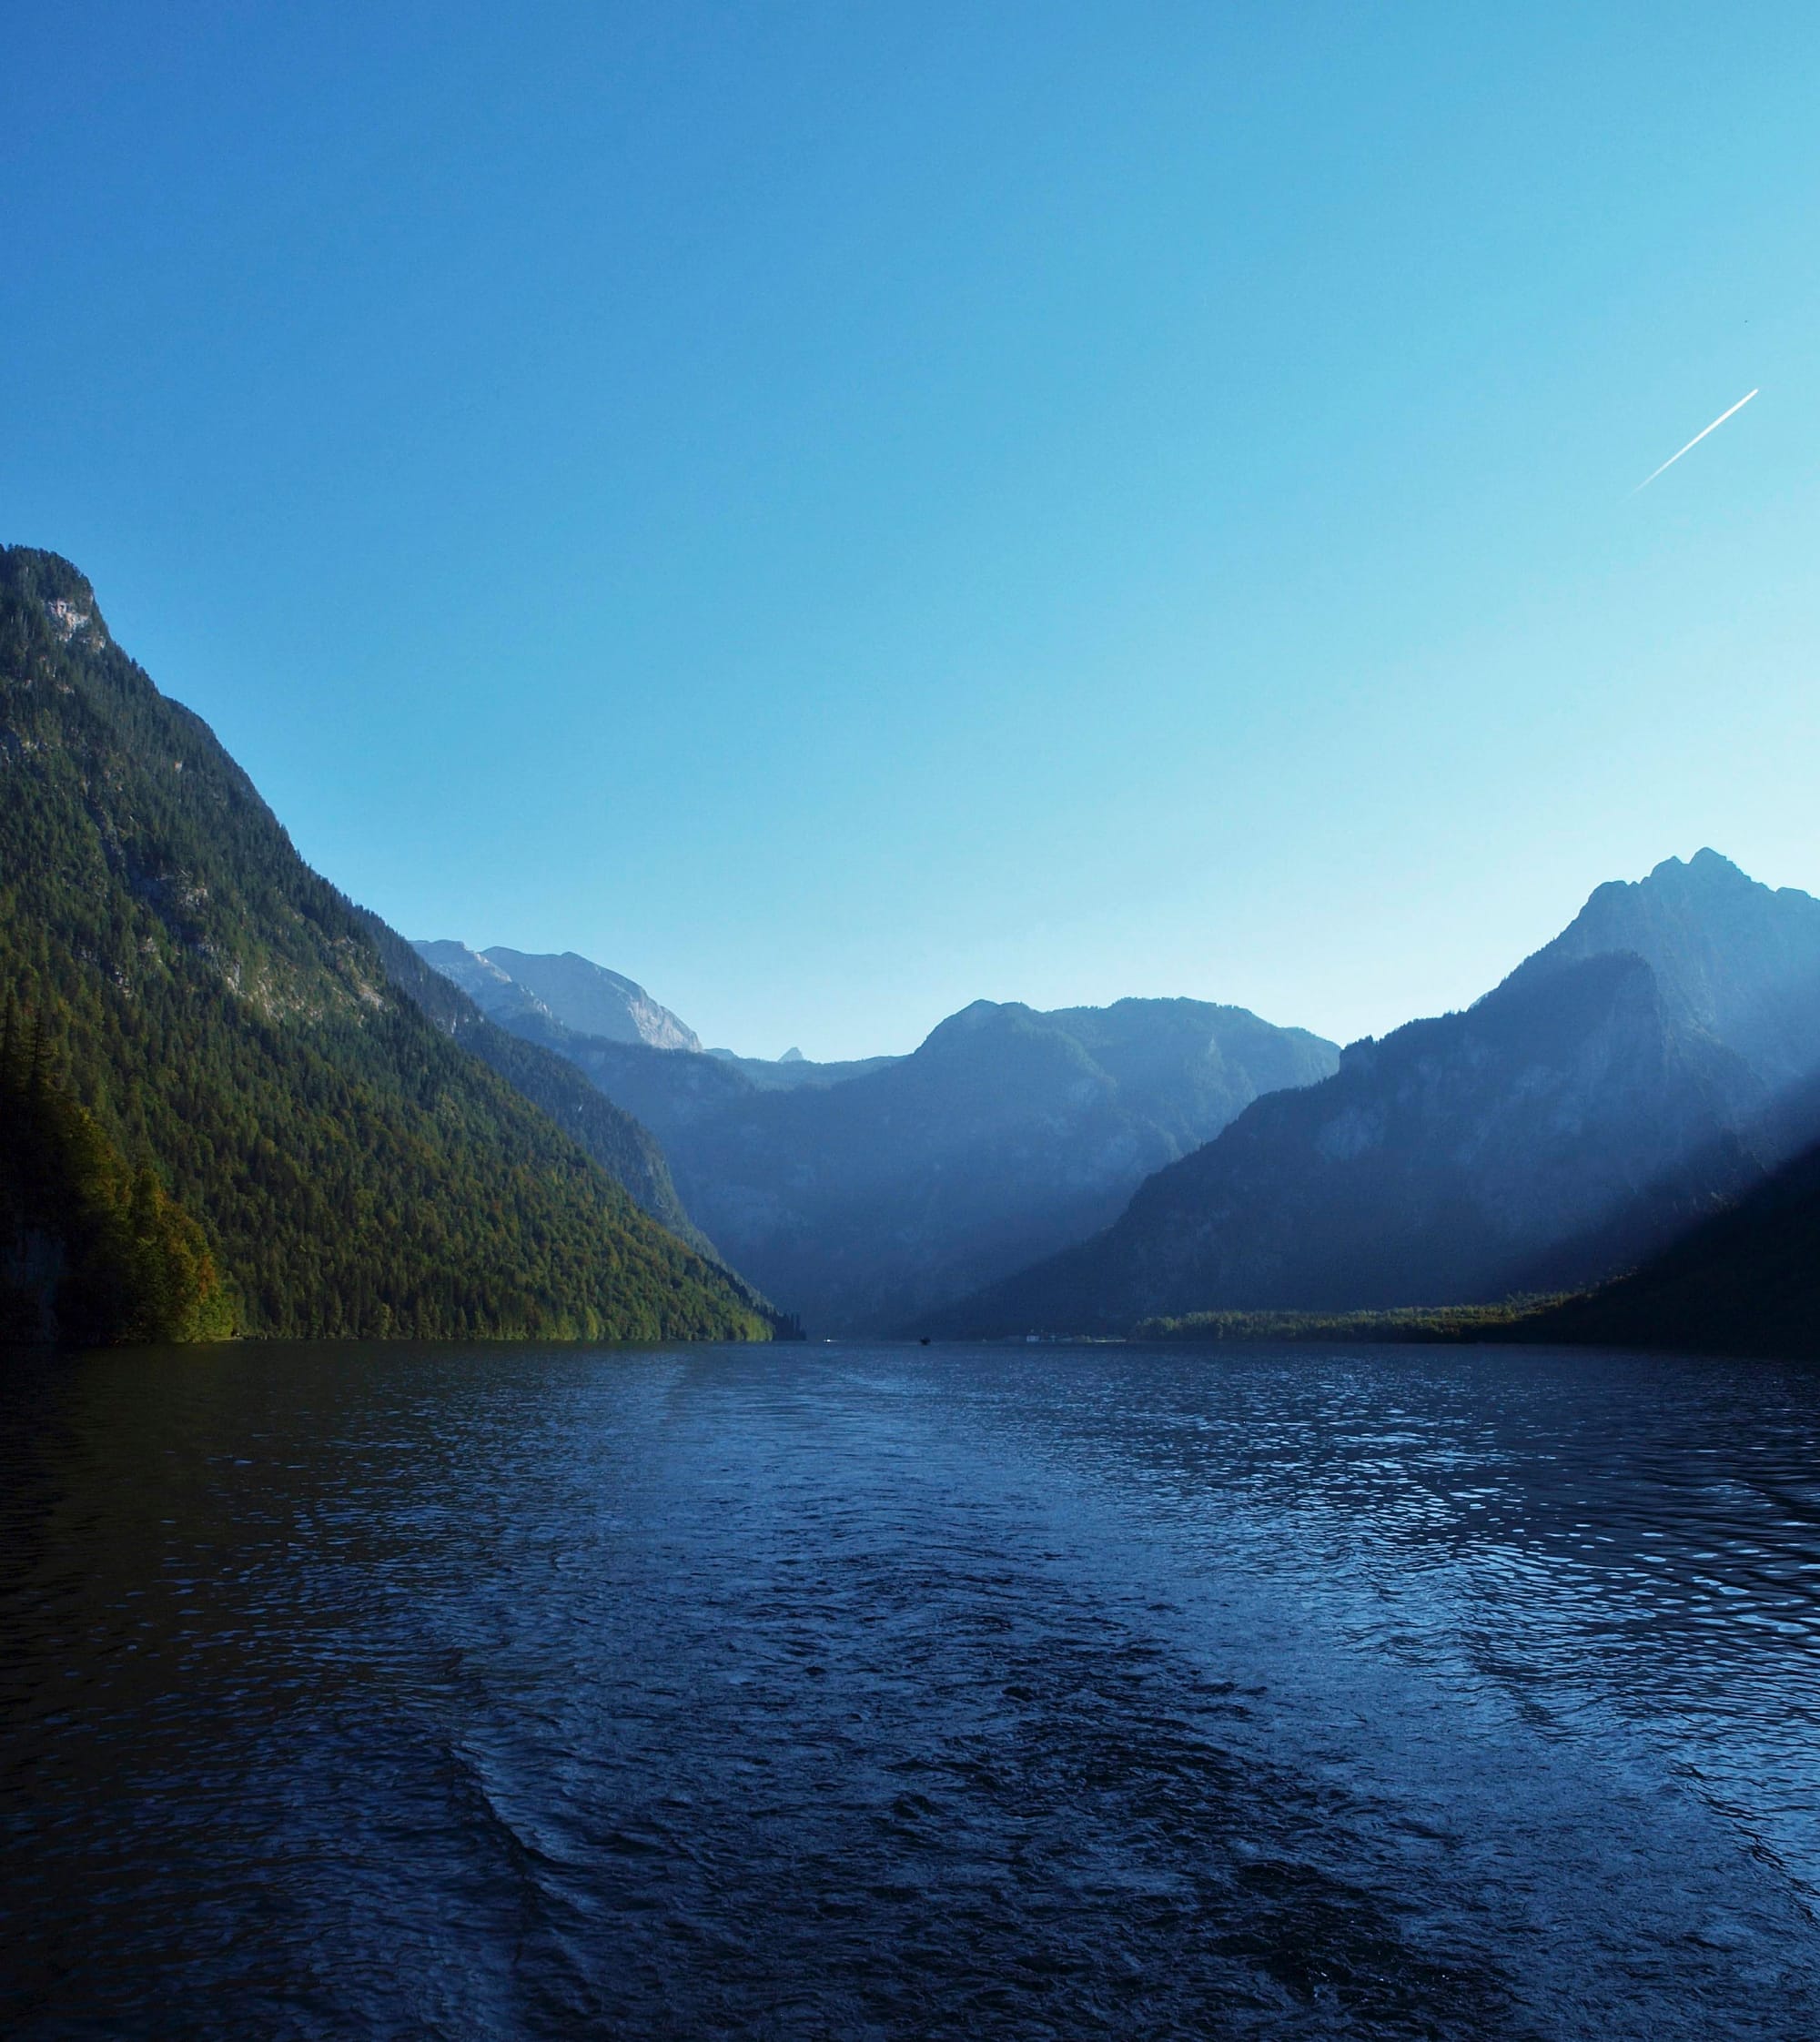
(854, 1691)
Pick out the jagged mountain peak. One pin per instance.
(1457, 1156)
(1735, 957)
(1706, 865)
(1631, 1072)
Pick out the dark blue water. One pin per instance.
(847, 1693)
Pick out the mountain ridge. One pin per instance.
(1574, 1117)
(1735, 957)
(860, 1190)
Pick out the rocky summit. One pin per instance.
(592, 1000)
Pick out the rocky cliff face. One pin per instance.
(492, 990)
(517, 990)
(592, 1000)
(1598, 1102)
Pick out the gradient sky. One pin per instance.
(840, 511)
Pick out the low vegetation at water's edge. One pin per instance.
(1408, 1322)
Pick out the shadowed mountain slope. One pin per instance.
(228, 1021)
(1746, 1281)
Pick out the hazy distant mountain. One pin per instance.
(1598, 1101)
(627, 1151)
(861, 1199)
(492, 990)
(592, 1000)
(513, 986)
(793, 1069)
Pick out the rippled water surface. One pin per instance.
(847, 1692)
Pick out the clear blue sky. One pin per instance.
(838, 511)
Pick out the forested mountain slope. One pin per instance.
(92, 1251)
(226, 1018)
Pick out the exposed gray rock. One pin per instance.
(592, 1000)
(509, 985)
(516, 1039)
(493, 991)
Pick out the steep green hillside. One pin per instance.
(226, 1017)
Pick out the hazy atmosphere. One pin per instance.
(838, 511)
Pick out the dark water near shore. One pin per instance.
(880, 1692)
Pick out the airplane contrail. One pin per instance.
(1697, 438)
